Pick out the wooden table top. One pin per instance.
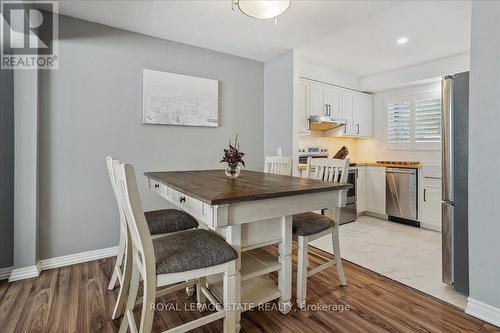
(213, 187)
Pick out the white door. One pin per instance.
(431, 208)
(361, 190)
(348, 111)
(304, 105)
(363, 115)
(375, 190)
(318, 104)
(332, 100)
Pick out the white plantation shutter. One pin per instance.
(428, 119)
(398, 122)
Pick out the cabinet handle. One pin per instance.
(326, 109)
(358, 128)
(182, 199)
(157, 185)
(424, 193)
(329, 110)
(345, 128)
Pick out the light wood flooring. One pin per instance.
(75, 299)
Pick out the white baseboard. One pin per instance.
(72, 259)
(77, 258)
(24, 273)
(483, 311)
(5, 273)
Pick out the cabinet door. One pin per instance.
(333, 99)
(304, 110)
(375, 193)
(361, 190)
(363, 115)
(431, 208)
(317, 96)
(348, 111)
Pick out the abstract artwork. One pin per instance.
(175, 99)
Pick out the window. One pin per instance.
(427, 119)
(414, 120)
(398, 122)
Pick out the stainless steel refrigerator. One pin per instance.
(455, 139)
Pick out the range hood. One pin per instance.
(325, 123)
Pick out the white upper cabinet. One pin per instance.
(326, 100)
(357, 111)
(304, 105)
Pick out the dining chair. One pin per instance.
(280, 165)
(310, 226)
(160, 222)
(173, 258)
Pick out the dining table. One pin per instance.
(250, 212)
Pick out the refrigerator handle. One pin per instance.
(447, 137)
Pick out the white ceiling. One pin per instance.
(356, 37)
(435, 30)
(213, 25)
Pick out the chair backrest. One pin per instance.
(109, 163)
(128, 194)
(280, 165)
(328, 169)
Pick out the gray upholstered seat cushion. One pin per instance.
(191, 249)
(169, 220)
(310, 223)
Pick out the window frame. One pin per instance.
(413, 144)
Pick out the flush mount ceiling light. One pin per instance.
(262, 9)
(402, 40)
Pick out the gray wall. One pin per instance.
(484, 157)
(278, 104)
(6, 167)
(91, 107)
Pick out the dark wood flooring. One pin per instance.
(75, 299)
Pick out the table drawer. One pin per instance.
(195, 207)
(156, 186)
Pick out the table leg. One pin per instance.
(233, 238)
(285, 258)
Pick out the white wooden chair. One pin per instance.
(280, 165)
(174, 258)
(160, 222)
(310, 226)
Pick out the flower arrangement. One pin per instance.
(233, 157)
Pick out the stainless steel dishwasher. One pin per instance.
(401, 195)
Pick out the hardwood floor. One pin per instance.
(75, 299)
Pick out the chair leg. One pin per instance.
(302, 264)
(338, 259)
(229, 287)
(149, 301)
(200, 296)
(118, 264)
(122, 294)
(132, 296)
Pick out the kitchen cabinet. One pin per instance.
(430, 217)
(375, 189)
(357, 110)
(320, 99)
(361, 190)
(304, 105)
(325, 100)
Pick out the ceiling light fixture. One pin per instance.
(263, 9)
(402, 40)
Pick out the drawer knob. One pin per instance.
(157, 185)
(182, 199)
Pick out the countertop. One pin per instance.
(373, 163)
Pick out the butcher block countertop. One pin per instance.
(392, 164)
(213, 187)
